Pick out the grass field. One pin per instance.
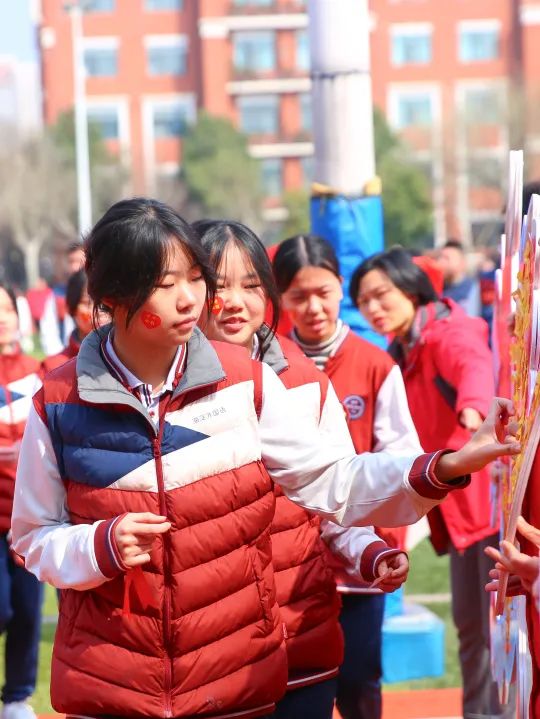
(429, 575)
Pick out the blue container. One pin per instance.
(393, 603)
(413, 645)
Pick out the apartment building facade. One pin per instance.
(457, 80)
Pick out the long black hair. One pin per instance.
(215, 235)
(397, 264)
(300, 251)
(127, 253)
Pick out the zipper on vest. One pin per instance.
(166, 583)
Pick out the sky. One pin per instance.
(17, 32)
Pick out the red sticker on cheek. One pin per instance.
(150, 320)
(216, 306)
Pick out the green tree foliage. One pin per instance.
(38, 204)
(406, 195)
(219, 174)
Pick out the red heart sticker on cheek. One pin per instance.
(150, 320)
(216, 306)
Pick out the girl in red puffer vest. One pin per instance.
(305, 583)
(20, 592)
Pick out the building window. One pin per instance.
(272, 176)
(99, 5)
(101, 61)
(105, 119)
(171, 120)
(259, 114)
(482, 106)
(478, 43)
(306, 116)
(152, 5)
(167, 57)
(413, 111)
(254, 51)
(411, 46)
(303, 61)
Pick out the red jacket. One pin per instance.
(57, 360)
(448, 367)
(18, 382)
(305, 585)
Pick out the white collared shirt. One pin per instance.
(145, 393)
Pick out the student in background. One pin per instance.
(81, 310)
(306, 588)
(369, 386)
(20, 592)
(55, 326)
(447, 369)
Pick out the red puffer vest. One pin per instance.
(306, 588)
(209, 640)
(18, 382)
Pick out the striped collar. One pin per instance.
(133, 383)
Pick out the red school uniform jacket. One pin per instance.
(357, 372)
(448, 367)
(18, 382)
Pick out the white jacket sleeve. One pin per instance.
(54, 550)
(317, 467)
(359, 549)
(393, 428)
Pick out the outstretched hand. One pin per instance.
(495, 438)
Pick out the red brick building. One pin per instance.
(446, 74)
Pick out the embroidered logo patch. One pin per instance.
(354, 406)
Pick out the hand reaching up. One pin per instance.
(495, 438)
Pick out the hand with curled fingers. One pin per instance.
(135, 534)
(392, 572)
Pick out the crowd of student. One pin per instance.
(201, 488)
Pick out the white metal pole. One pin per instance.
(341, 91)
(84, 190)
